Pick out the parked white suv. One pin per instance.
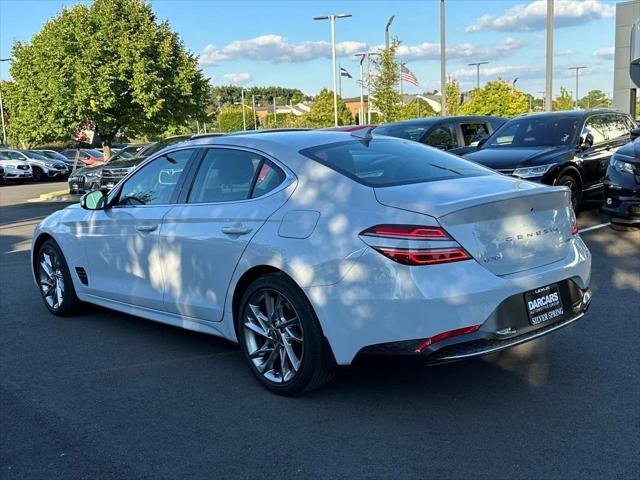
(41, 166)
(16, 168)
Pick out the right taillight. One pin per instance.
(430, 254)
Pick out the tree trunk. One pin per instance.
(106, 151)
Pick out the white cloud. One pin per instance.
(275, 48)
(533, 16)
(508, 72)
(237, 78)
(431, 51)
(605, 53)
(564, 53)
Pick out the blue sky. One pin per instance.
(278, 43)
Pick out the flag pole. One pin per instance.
(401, 95)
(340, 80)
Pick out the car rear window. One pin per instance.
(410, 131)
(388, 162)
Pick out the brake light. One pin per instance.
(413, 232)
(574, 222)
(445, 335)
(432, 256)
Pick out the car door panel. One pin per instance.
(201, 244)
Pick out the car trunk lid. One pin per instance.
(508, 225)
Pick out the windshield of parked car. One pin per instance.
(37, 155)
(387, 162)
(535, 132)
(53, 155)
(94, 153)
(409, 131)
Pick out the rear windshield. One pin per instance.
(388, 162)
(410, 131)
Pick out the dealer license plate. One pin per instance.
(544, 304)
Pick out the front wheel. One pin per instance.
(36, 174)
(281, 338)
(574, 186)
(54, 280)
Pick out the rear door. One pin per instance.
(233, 193)
(443, 136)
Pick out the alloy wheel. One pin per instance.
(273, 335)
(50, 278)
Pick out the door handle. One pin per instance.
(146, 228)
(237, 230)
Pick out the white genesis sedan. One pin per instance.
(311, 247)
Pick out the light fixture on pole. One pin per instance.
(577, 69)
(255, 115)
(332, 21)
(443, 62)
(386, 30)
(477, 65)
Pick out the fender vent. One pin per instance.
(82, 275)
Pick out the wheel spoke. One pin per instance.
(261, 352)
(46, 266)
(293, 336)
(293, 358)
(268, 364)
(262, 320)
(58, 293)
(259, 329)
(47, 287)
(269, 305)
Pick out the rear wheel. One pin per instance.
(281, 338)
(54, 280)
(573, 185)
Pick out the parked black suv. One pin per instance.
(454, 134)
(570, 148)
(622, 185)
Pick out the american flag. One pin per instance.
(408, 76)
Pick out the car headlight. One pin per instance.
(92, 175)
(530, 172)
(622, 166)
(49, 165)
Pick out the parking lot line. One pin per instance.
(595, 227)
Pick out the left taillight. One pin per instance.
(574, 223)
(429, 245)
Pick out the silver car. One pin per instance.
(310, 248)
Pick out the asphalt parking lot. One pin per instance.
(107, 395)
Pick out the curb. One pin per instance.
(61, 195)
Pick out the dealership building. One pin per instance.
(626, 76)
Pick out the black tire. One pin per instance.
(70, 304)
(316, 366)
(37, 174)
(569, 181)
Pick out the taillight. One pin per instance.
(413, 232)
(427, 256)
(444, 335)
(430, 254)
(574, 223)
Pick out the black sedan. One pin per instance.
(622, 186)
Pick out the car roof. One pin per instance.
(569, 113)
(433, 120)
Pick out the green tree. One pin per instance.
(564, 101)
(321, 112)
(283, 120)
(111, 62)
(497, 97)
(594, 99)
(452, 89)
(385, 95)
(416, 109)
(230, 119)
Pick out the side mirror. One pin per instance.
(635, 133)
(587, 142)
(481, 142)
(94, 200)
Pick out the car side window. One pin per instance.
(617, 127)
(4, 156)
(474, 132)
(156, 182)
(443, 137)
(16, 156)
(269, 177)
(596, 126)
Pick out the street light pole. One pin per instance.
(443, 61)
(477, 65)
(332, 21)
(577, 69)
(244, 116)
(386, 31)
(549, 66)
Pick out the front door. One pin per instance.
(594, 159)
(122, 242)
(233, 194)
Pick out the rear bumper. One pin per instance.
(622, 204)
(386, 308)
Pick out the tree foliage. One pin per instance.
(416, 109)
(564, 101)
(453, 96)
(230, 94)
(321, 113)
(386, 97)
(111, 62)
(594, 99)
(497, 97)
(230, 119)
